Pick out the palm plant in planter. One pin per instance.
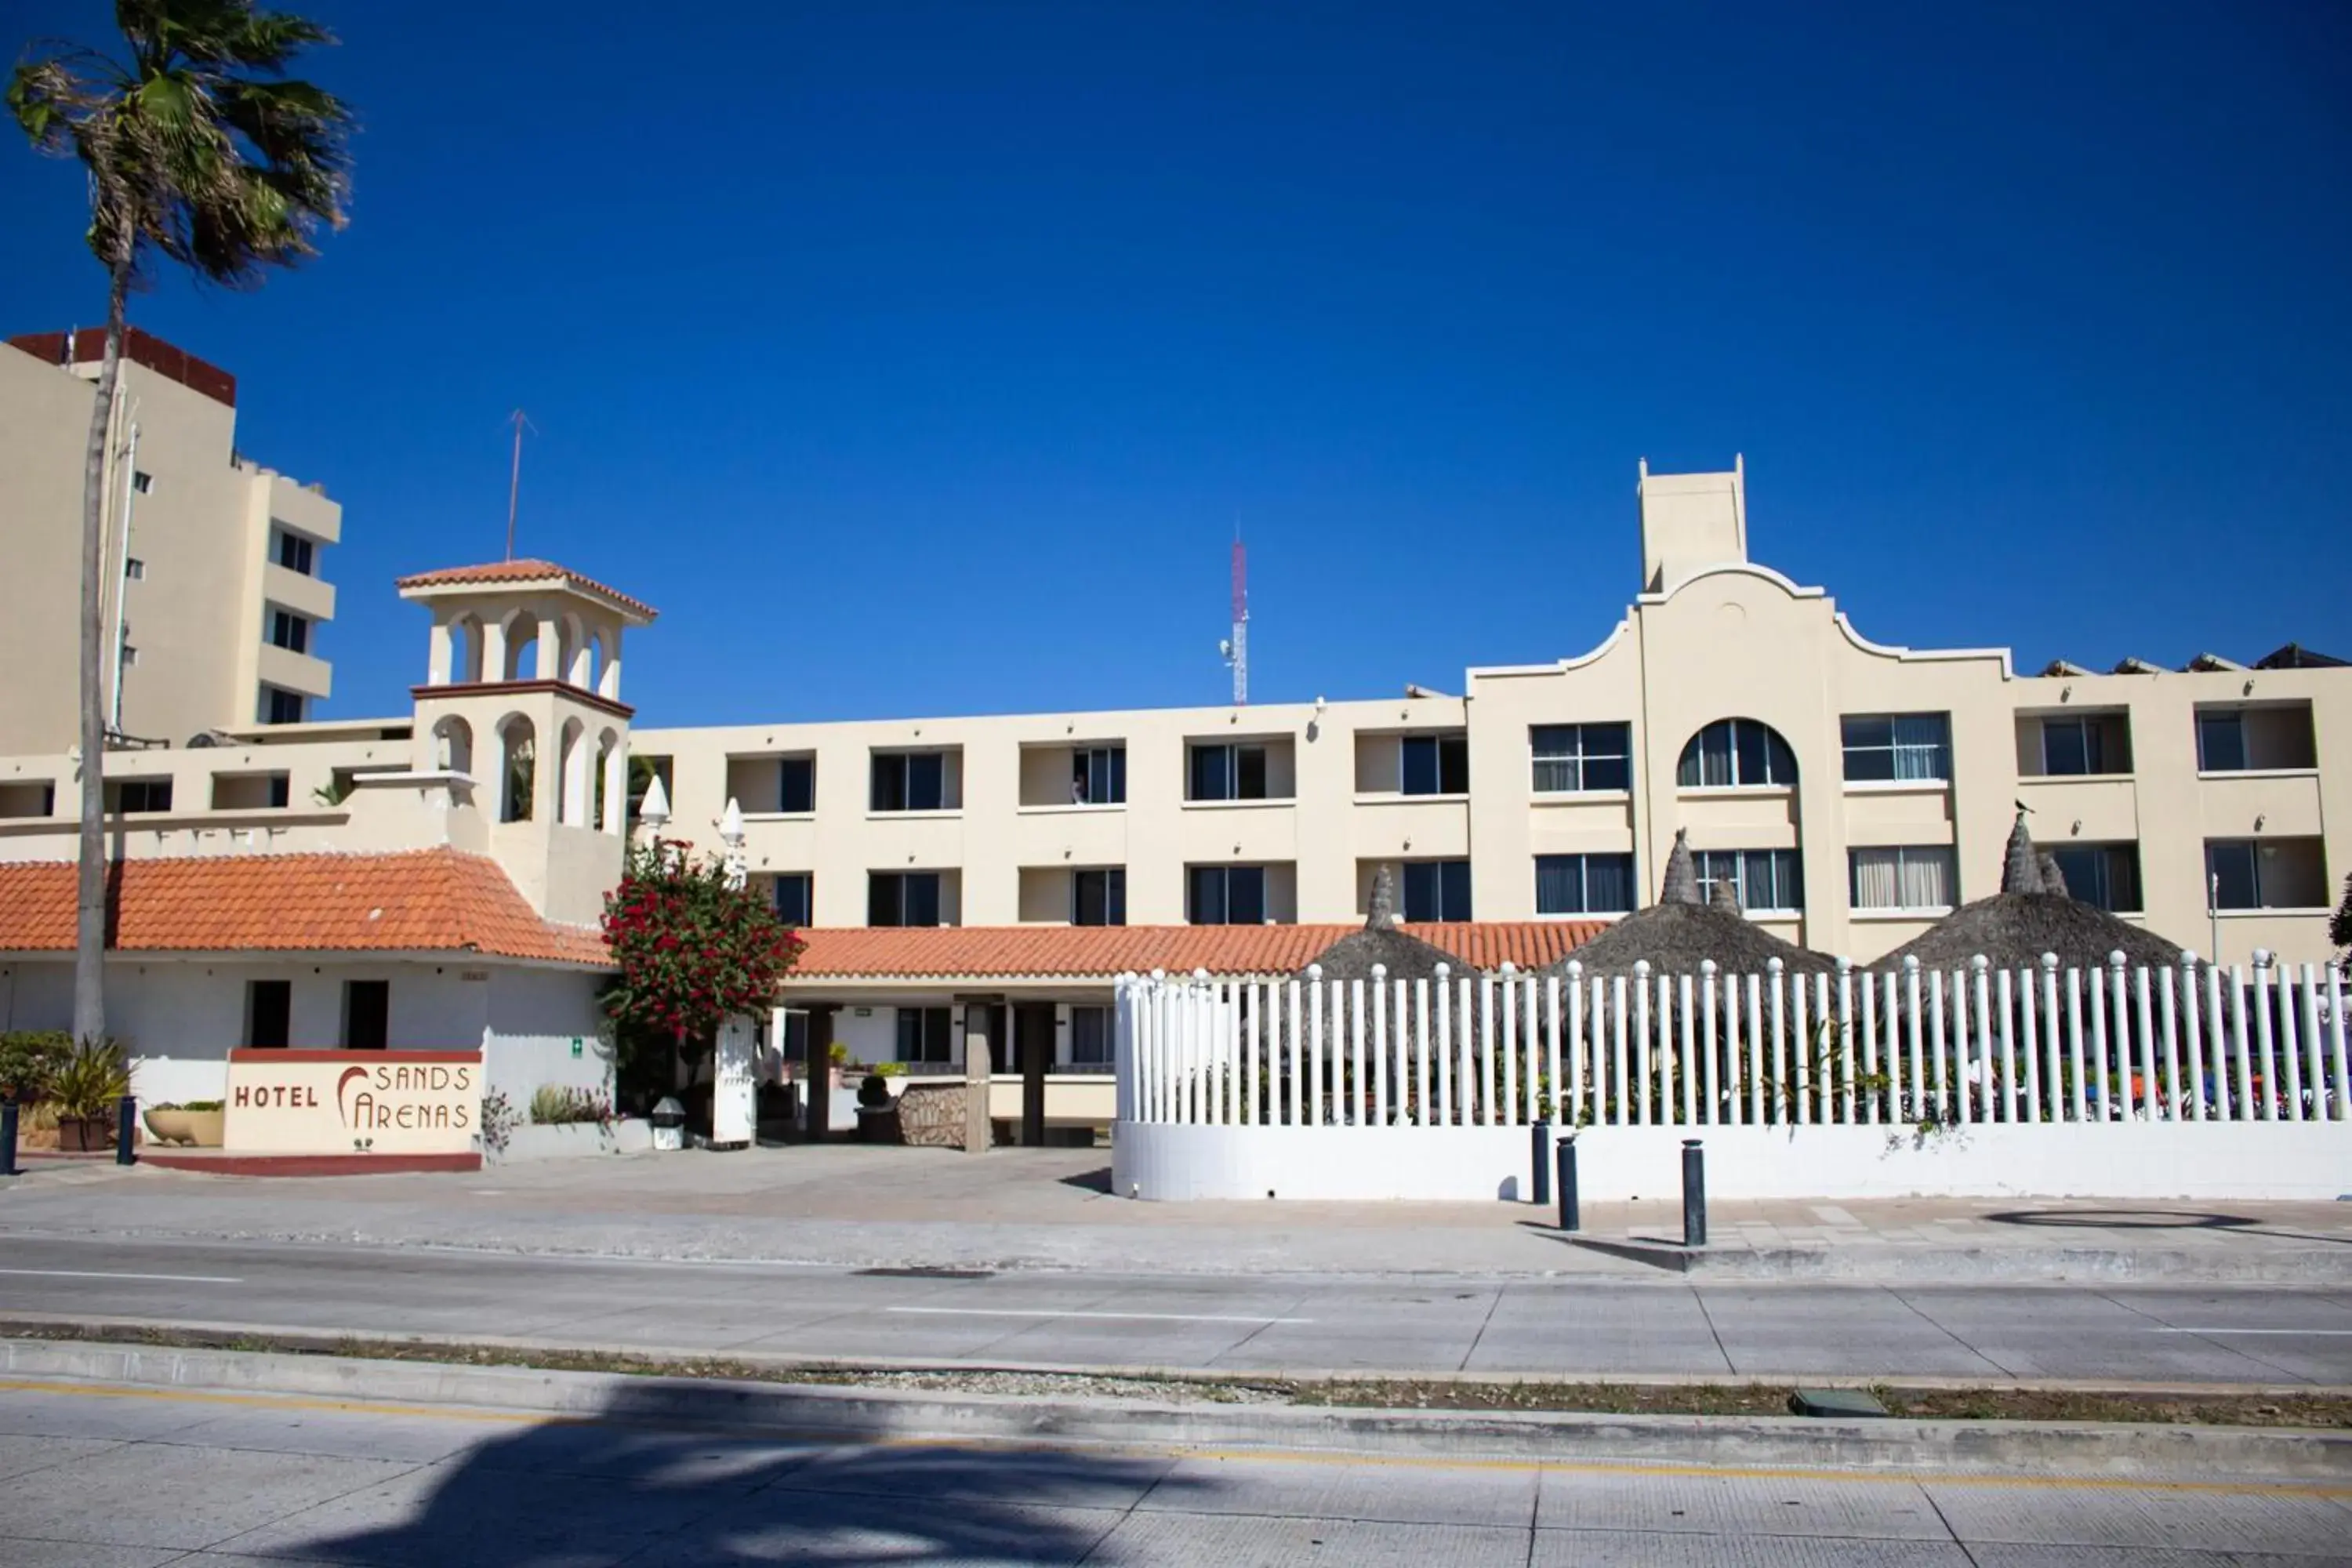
(87, 1087)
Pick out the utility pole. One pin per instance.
(514, 479)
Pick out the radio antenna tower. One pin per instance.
(1236, 647)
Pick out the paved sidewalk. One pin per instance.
(856, 1206)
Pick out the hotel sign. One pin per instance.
(353, 1102)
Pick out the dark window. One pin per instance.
(1732, 753)
(280, 706)
(268, 1012)
(796, 1034)
(1435, 764)
(141, 794)
(1099, 898)
(925, 1034)
(1762, 878)
(142, 481)
(1437, 889)
(2234, 874)
(1099, 775)
(293, 551)
(2089, 745)
(1225, 895)
(1228, 773)
(2222, 742)
(1571, 759)
(796, 785)
(281, 792)
(792, 895)
(909, 781)
(2105, 875)
(1584, 884)
(1889, 746)
(903, 899)
(1090, 1037)
(290, 631)
(367, 1015)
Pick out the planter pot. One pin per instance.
(568, 1140)
(877, 1124)
(198, 1128)
(84, 1135)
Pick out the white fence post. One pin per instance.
(1800, 1050)
(1575, 978)
(1508, 1090)
(1711, 1104)
(1641, 1042)
(2336, 1052)
(2289, 1051)
(1383, 1043)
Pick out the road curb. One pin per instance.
(49, 1329)
(837, 1413)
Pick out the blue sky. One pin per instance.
(921, 359)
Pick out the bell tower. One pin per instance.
(520, 715)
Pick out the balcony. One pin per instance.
(311, 676)
(305, 595)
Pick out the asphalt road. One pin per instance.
(108, 1477)
(1245, 1324)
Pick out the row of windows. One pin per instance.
(926, 1036)
(1576, 759)
(366, 1014)
(2241, 875)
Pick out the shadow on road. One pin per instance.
(635, 1483)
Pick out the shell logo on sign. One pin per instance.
(340, 1103)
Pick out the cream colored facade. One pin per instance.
(519, 663)
(205, 603)
(1712, 636)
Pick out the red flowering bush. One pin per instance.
(691, 950)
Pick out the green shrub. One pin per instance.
(29, 1060)
(890, 1069)
(202, 1105)
(559, 1105)
(90, 1079)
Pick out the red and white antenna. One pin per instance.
(1236, 647)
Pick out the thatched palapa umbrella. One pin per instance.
(1680, 931)
(2031, 915)
(1404, 957)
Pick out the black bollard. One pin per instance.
(1541, 1138)
(1694, 1193)
(8, 1139)
(1564, 1155)
(126, 1120)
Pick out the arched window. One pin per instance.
(519, 777)
(612, 783)
(454, 747)
(1731, 753)
(572, 777)
(522, 647)
(466, 649)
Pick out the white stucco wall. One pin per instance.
(535, 1016)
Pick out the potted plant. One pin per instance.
(200, 1123)
(838, 1055)
(87, 1088)
(877, 1113)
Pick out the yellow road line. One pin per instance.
(1629, 1468)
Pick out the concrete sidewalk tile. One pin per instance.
(1184, 1540)
(38, 1412)
(468, 1514)
(21, 1453)
(2205, 1519)
(1731, 1504)
(1368, 1491)
(415, 1440)
(157, 1494)
(814, 1528)
(1632, 1549)
(2003, 1555)
(949, 1474)
(19, 1552)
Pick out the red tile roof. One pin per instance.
(1102, 951)
(492, 571)
(426, 900)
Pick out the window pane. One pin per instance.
(1927, 878)
(910, 1034)
(1608, 772)
(1750, 761)
(1205, 896)
(1779, 762)
(1453, 891)
(1245, 895)
(922, 898)
(1420, 765)
(2231, 866)
(925, 780)
(1249, 773)
(1090, 1035)
(2220, 742)
(1453, 764)
(1872, 765)
(1923, 746)
(792, 898)
(1117, 776)
(1876, 880)
(1559, 885)
(1608, 884)
(796, 785)
(1211, 772)
(882, 899)
(2063, 747)
(889, 782)
(367, 1015)
(1421, 891)
(1868, 731)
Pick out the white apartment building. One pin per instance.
(213, 589)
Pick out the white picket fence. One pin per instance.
(2038, 1049)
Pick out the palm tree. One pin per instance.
(198, 148)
